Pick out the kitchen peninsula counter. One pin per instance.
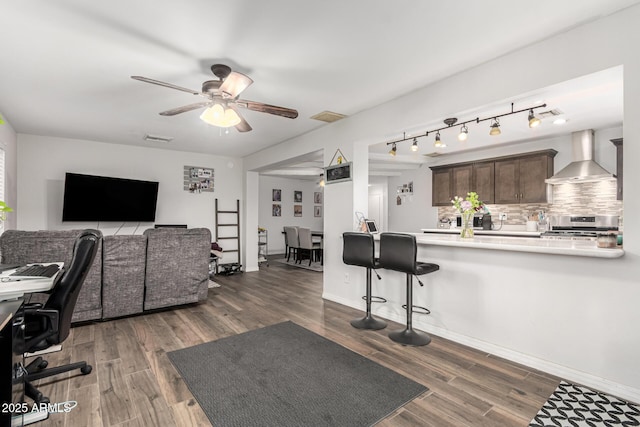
(520, 244)
(516, 233)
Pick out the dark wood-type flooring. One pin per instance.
(133, 383)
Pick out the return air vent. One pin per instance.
(434, 154)
(549, 113)
(156, 138)
(328, 116)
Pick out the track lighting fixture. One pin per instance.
(321, 182)
(495, 127)
(464, 132)
(533, 120)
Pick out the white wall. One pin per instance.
(609, 362)
(8, 142)
(43, 161)
(415, 211)
(274, 224)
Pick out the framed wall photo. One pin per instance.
(276, 210)
(317, 198)
(297, 196)
(317, 211)
(297, 210)
(276, 195)
(338, 173)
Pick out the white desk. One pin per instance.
(16, 288)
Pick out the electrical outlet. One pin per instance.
(502, 216)
(346, 277)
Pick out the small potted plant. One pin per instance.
(3, 210)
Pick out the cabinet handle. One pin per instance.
(516, 195)
(521, 195)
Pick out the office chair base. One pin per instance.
(410, 337)
(44, 373)
(369, 322)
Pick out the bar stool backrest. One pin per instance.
(291, 234)
(358, 249)
(304, 237)
(398, 252)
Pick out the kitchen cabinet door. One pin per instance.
(483, 181)
(507, 181)
(461, 181)
(533, 171)
(441, 187)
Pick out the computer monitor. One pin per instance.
(371, 226)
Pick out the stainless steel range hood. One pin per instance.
(582, 168)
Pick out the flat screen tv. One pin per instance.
(101, 198)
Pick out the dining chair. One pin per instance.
(306, 245)
(291, 242)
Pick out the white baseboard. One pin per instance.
(51, 349)
(601, 384)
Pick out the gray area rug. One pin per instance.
(315, 266)
(578, 406)
(285, 375)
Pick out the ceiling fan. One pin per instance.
(222, 100)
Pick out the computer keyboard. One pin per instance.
(37, 270)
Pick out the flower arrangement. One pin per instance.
(467, 207)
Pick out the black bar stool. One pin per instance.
(358, 249)
(398, 252)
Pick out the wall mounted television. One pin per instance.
(102, 198)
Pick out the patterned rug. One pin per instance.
(577, 406)
(315, 266)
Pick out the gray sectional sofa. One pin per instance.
(131, 274)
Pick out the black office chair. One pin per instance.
(49, 325)
(358, 249)
(398, 252)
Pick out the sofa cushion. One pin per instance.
(23, 247)
(123, 268)
(177, 270)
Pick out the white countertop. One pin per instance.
(583, 248)
(521, 233)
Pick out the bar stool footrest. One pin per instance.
(375, 299)
(417, 309)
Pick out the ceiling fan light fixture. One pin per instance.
(414, 146)
(217, 115)
(495, 128)
(533, 120)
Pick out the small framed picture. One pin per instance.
(317, 211)
(338, 173)
(297, 210)
(297, 196)
(276, 210)
(277, 195)
(317, 198)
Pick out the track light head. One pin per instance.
(464, 132)
(495, 128)
(393, 149)
(414, 146)
(438, 143)
(533, 120)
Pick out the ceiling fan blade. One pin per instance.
(266, 108)
(169, 85)
(185, 108)
(234, 84)
(243, 126)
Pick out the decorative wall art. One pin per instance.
(198, 179)
(297, 196)
(317, 211)
(338, 173)
(276, 210)
(277, 195)
(317, 198)
(297, 210)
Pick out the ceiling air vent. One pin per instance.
(156, 138)
(328, 116)
(434, 154)
(550, 113)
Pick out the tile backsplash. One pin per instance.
(589, 198)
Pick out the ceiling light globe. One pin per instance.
(414, 146)
(462, 136)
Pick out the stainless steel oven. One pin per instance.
(580, 227)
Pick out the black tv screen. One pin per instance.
(101, 198)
